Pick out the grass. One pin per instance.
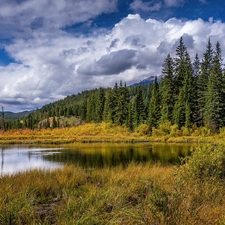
(138, 194)
(192, 193)
(107, 132)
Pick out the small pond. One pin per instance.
(20, 158)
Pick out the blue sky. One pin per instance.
(51, 49)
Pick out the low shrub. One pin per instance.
(165, 126)
(142, 129)
(206, 161)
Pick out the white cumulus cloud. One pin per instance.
(52, 65)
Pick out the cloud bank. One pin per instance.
(22, 17)
(52, 63)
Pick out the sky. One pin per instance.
(51, 49)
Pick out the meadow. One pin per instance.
(192, 193)
(108, 132)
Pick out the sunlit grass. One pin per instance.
(137, 194)
(107, 132)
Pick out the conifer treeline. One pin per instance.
(190, 93)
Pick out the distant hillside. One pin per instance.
(15, 116)
(149, 80)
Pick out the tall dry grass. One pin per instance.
(192, 193)
(108, 132)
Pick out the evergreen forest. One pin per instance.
(191, 93)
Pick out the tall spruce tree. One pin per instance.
(202, 81)
(196, 93)
(139, 116)
(131, 115)
(100, 102)
(180, 66)
(188, 88)
(154, 111)
(179, 109)
(91, 107)
(167, 90)
(214, 105)
(121, 106)
(107, 113)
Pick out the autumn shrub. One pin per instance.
(142, 129)
(165, 126)
(222, 132)
(174, 131)
(201, 131)
(185, 131)
(157, 132)
(207, 161)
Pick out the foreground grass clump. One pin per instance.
(192, 193)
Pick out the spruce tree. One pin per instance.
(202, 81)
(214, 106)
(100, 102)
(139, 115)
(154, 106)
(131, 115)
(188, 89)
(121, 106)
(196, 93)
(91, 106)
(180, 59)
(107, 113)
(167, 90)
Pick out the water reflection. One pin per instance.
(19, 159)
(22, 158)
(108, 155)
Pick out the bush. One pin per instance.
(157, 132)
(201, 131)
(206, 161)
(185, 131)
(174, 131)
(142, 129)
(165, 126)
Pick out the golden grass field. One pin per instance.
(192, 193)
(107, 132)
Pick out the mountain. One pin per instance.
(15, 116)
(149, 80)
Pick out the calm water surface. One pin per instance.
(15, 159)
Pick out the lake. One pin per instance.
(19, 158)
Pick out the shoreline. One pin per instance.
(112, 139)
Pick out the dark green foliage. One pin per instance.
(139, 115)
(202, 82)
(54, 123)
(180, 64)
(107, 113)
(100, 102)
(168, 90)
(214, 106)
(196, 92)
(121, 105)
(154, 112)
(179, 109)
(131, 114)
